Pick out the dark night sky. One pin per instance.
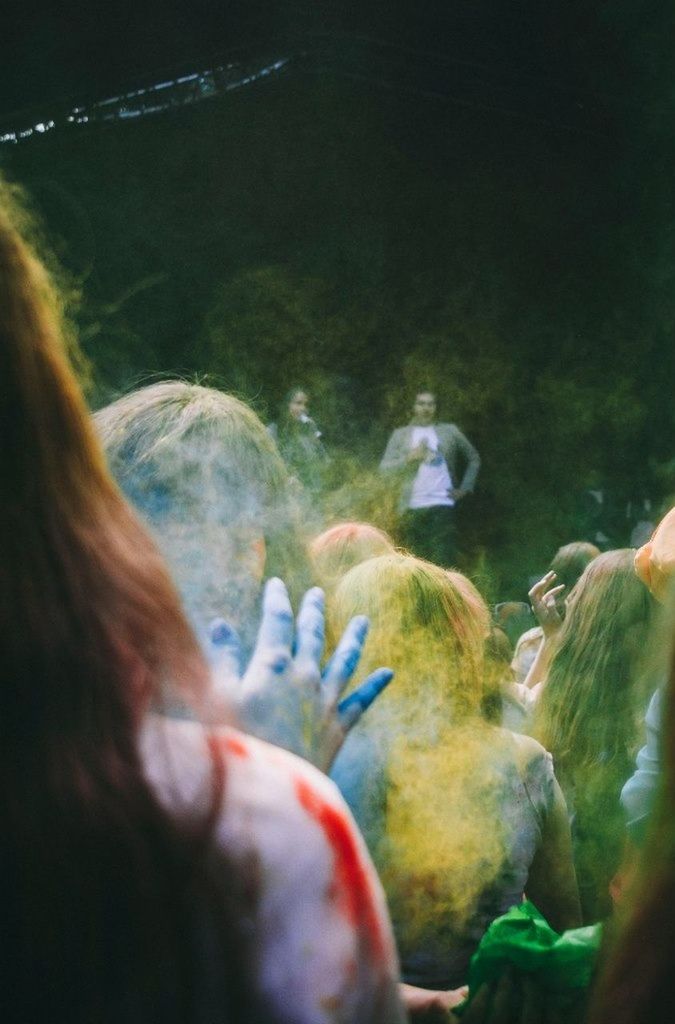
(491, 179)
(74, 52)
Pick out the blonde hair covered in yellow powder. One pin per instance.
(442, 842)
(460, 815)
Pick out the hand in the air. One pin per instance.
(284, 696)
(543, 600)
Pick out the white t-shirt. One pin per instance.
(432, 484)
(324, 949)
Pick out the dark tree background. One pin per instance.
(474, 197)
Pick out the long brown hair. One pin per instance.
(588, 712)
(96, 878)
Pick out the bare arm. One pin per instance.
(552, 883)
(538, 670)
(543, 600)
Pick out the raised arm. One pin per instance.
(543, 599)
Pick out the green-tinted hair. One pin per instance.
(587, 713)
(423, 623)
(441, 842)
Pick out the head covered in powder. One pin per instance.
(438, 840)
(429, 625)
(202, 470)
(339, 548)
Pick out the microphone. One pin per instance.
(309, 422)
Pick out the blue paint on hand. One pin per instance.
(352, 707)
(222, 634)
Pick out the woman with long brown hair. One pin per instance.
(589, 712)
(152, 870)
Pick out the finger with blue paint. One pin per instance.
(272, 652)
(224, 655)
(310, 631)
(284, 696)
(343, 663)
(352, 707)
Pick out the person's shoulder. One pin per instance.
(272, 781)
(320, 923)
(317, 885)
(398, 439)
(450, 429)
(529, 638)
(529, 749)
(535, 769)
(528, 753)
(276, 811)
(262, 781)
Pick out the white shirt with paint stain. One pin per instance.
(432, 484)
(324, 948)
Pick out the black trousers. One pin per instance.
(430, 533)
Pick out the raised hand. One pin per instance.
(543, 597)
(284, 696)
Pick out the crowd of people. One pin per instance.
(209, 817)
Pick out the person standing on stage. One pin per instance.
(424, 458)
(299, 440)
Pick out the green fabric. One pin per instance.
(522, 939)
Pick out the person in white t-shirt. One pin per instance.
(425, 458)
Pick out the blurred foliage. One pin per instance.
(365, 243)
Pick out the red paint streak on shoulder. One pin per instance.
(229, 744)
(235, 745)
(351, 889)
